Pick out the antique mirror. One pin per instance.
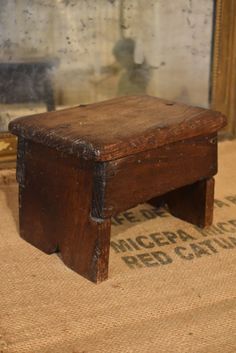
(60, 53)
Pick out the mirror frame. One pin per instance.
(223, 77)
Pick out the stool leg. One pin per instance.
(193, 203)
(36, 226)
(158, 201)
(86, 249)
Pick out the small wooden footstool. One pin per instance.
(78, 167)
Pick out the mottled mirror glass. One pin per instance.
(61, 53)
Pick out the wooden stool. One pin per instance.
(78, 167)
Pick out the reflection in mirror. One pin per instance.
(67, 52)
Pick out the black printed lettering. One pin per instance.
(118, 219)
(208, 244)
(142, 240)
(162, 257)
(160, 213)
(223, 243)
(184, 236)
(147, 260)
(158, 239)
(219, 203)
(233, 222)
(148, 214)
(233, 240)
(225, 227)
(198, 250)
(131, 261)
(130, 217)
(133, 243)
(120, 246)
(171, 236)
(180, 251)
(231, 199)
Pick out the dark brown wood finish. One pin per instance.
(118, 127)
(139, 177)
(193, 203)
(78, 168)
(55, 205)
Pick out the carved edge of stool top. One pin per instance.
(118, 127)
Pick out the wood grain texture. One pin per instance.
(118, 127)
(55, 206)
(80, 167)
(193, 203)
(127, 181)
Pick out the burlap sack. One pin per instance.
(171, 286)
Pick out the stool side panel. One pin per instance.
(138, 178)
(49, 179)
(55, 207)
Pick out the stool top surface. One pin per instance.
(117, 127)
